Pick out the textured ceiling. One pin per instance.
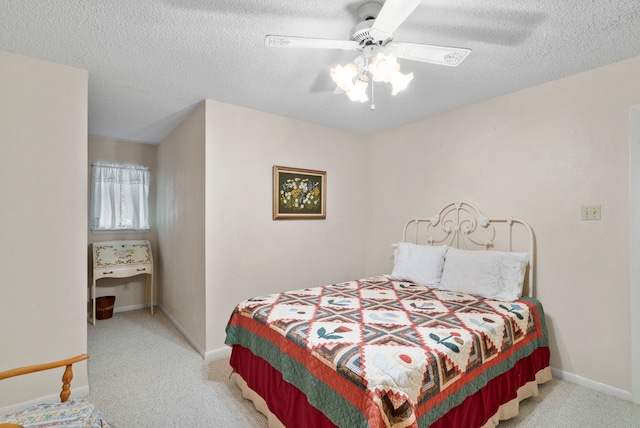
(151, 61)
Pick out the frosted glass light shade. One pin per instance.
(343, 76)
(400, 81)
(359, 90)
(384, 68)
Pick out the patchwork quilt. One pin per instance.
(381, 353)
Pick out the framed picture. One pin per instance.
(299, 193)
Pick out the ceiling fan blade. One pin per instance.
(441, 55)
(305, 42)
(392, 14)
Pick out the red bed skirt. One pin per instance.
(291, 407)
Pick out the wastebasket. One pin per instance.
(104, 307)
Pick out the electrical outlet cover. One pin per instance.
(590, 212)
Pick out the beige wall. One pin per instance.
(180, 219)
(248, 253)
(43, 223)
(538, 154)
(217, 242)
(129, 292)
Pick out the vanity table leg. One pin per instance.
(93, 300)
(150, 282)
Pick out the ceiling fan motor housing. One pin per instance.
(368, 13)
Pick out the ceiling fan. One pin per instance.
(374, 37)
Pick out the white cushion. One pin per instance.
(421, 264)
(492, 274)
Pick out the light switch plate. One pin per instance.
(590, 212)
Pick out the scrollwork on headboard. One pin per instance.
(461, 225)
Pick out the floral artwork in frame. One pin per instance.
(299, 193)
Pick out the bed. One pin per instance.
(453, 337)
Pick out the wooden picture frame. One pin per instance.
(299, 193)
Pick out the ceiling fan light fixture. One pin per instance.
(353, 78)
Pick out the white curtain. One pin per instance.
(119, 197)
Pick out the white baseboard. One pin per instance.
(123, 309)
(130, 308)
(79, 392)
(591, 384)
(182, 331)
(216, 354)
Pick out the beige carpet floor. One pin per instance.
(143, 373)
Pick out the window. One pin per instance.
(119, 197)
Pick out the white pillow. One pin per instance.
(421, 264)
(492, 274)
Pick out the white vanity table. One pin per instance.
(122, 259)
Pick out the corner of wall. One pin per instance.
(634, 251)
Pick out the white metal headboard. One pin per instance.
(461, 225)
